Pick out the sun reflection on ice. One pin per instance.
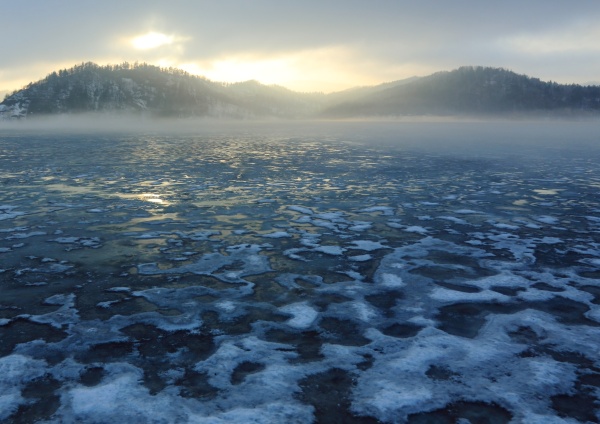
(153, 198)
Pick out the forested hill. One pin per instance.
(472, 90)
(147, 89)
(153, 91)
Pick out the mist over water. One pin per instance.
(430, 133)
(242, 271)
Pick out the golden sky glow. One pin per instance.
(306, 71)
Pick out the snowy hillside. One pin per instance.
(149, 90)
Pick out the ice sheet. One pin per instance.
(241, 279)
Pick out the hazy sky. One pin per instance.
(308, 45)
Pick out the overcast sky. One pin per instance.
(308, 45)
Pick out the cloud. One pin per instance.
(575, 39)
(303, 45)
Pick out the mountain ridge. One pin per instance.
(169, 92)
(473, 90)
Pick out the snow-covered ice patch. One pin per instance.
(367, 245)
(385, 210)
(303, 315)
(416, 229)
(390, 280)
(301, 209)
(277, 234)
(330, 250)
(8, 212)
(360, 258)
(547, 219)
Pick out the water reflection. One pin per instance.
(153, 198)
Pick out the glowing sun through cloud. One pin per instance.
(152, 40)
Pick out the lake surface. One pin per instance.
(396, 273)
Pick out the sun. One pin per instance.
(151, 40)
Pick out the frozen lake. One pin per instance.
(398, 273)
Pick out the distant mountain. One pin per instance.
(149, 90)
(471, 90)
